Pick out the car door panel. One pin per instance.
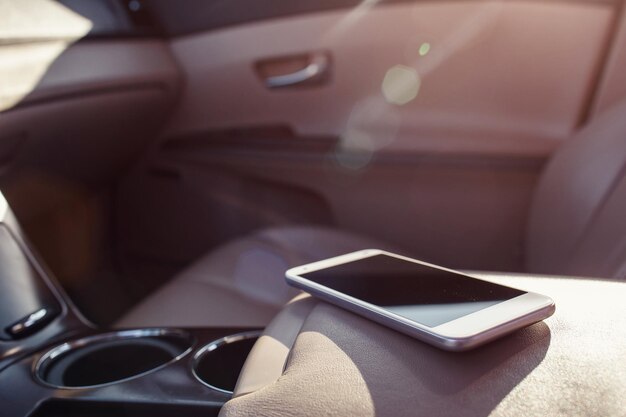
(484, 71)
(433, 126)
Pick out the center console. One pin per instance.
(53, 362)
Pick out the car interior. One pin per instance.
(163, 164)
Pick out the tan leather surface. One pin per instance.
(575, 228)
(34, 71)
(265, 362)
(242, 283)
(570, 365)
(576, 220)
(42, 61)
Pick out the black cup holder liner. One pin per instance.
(218, 364)
(112, 357)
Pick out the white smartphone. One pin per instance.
(445, 308)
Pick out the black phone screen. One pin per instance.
(421, 293)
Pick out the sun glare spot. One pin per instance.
(401, 85)
(424, 49)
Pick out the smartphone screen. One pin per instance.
(420, 293)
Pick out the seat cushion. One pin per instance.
(243, 282)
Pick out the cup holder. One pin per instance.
(111, 357)
(218, 364)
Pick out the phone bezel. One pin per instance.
(462, 333)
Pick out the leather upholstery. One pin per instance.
(242, 283)
(576, 222)
(343, 365)
(575, 227)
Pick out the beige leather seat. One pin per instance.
(576, 227)
(242, 283)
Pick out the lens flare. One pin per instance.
(401, 85)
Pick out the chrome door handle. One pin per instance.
(316, 70)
